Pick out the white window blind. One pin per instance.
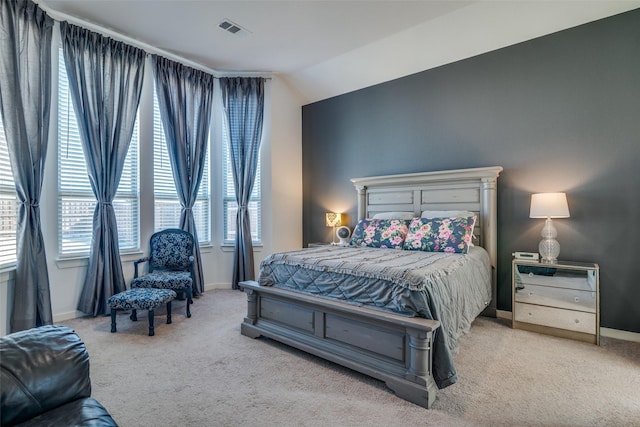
(8, 205)
(76, 202)
(230, 206)
(166, 203)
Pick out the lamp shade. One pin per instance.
(549, 205)
(333, 219)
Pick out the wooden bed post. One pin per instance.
(419, 387)
(419, 360)
(252, 313)
(362, 201)
(489, 203)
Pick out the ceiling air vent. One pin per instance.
(232, 27)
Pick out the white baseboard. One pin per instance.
(61, 317)
(604, 332)
(620, 334)
(214, 286)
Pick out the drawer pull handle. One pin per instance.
(577, 299)
(577, 321)
(530, 274)
(530, 294)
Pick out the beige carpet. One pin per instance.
(202, 372)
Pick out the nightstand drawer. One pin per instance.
(583, 280)
(555, 317)
(557, 297)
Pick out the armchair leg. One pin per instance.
(134, 315)
(169, 313)
(151, 331)
(113, 320)
(189, 301)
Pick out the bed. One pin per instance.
(348, 305)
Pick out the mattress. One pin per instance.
(451, 288)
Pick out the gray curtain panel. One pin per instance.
(185, 98)
(243, 100)
(105, 82)
(25, 93)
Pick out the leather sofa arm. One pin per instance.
(40, 369)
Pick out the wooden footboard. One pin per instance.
(393, 348)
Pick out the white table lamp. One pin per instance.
(549, 205)
(333, 219)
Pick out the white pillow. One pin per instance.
(446, 214)
(394, 215)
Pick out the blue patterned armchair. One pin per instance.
(170, 264)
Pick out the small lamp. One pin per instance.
(549, 205)
(333, 219)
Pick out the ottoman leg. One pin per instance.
(113, 320)
(151, 333)
(169, 313)
(189, 301)
(134, 315)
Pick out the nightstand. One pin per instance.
(561, 299)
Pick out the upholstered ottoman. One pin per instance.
(140, 299)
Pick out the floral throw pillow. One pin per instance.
(380, 233)
(440, 234)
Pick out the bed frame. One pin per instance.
(392, 348)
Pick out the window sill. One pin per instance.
(72, 262)
(7, 273)
(205, 248)
(83, 260)
(131, 256)
(229, 247)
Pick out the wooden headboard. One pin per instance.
(461, 189)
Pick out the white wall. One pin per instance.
(281, 155)
(479, 27)
(283, 230)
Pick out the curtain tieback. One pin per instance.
(32, 205)
(105, 203)
(243, 207)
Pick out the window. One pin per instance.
(166, 203)
(230, 206)
(8, 205)
(76, 201)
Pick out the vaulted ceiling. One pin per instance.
(326, 48)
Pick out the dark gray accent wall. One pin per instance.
(559, 113)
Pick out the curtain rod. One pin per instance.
(149, 49)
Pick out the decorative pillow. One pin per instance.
(394, 215)
(440, 234)
(380, 233)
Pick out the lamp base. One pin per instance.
(549, 247)
(549, 250)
